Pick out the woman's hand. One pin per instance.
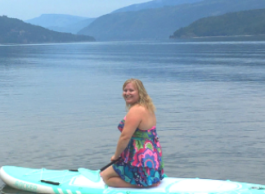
(114, 158)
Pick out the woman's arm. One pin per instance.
(132, 122)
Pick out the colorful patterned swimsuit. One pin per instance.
(141, 162)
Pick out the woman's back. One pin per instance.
(148, 118)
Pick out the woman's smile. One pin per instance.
(130, 94)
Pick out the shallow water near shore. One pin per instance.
(60, 105)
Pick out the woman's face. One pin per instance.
(130, 94)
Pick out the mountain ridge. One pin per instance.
(155, 24)
(154, 4)
(61, 22)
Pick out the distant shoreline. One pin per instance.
(45, 43)
(222, 38)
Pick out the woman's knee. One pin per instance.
(108, 173)
(104, 175)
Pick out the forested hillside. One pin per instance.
(16, 31)
(232, 24)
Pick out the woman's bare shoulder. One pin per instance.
(138, 109)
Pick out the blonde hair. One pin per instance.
(144, 99)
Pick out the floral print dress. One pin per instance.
(141, 162)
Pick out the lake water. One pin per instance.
(60, 104)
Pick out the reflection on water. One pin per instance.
(61, 103)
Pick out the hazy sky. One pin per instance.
(28, 9)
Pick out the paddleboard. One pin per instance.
(85, 181)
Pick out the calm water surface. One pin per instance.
(60, 104)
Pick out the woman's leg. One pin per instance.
(112, 179)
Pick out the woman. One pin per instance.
(140, 153)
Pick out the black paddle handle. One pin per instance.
(112, 162)
(50, 182)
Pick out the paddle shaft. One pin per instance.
(112, 162)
